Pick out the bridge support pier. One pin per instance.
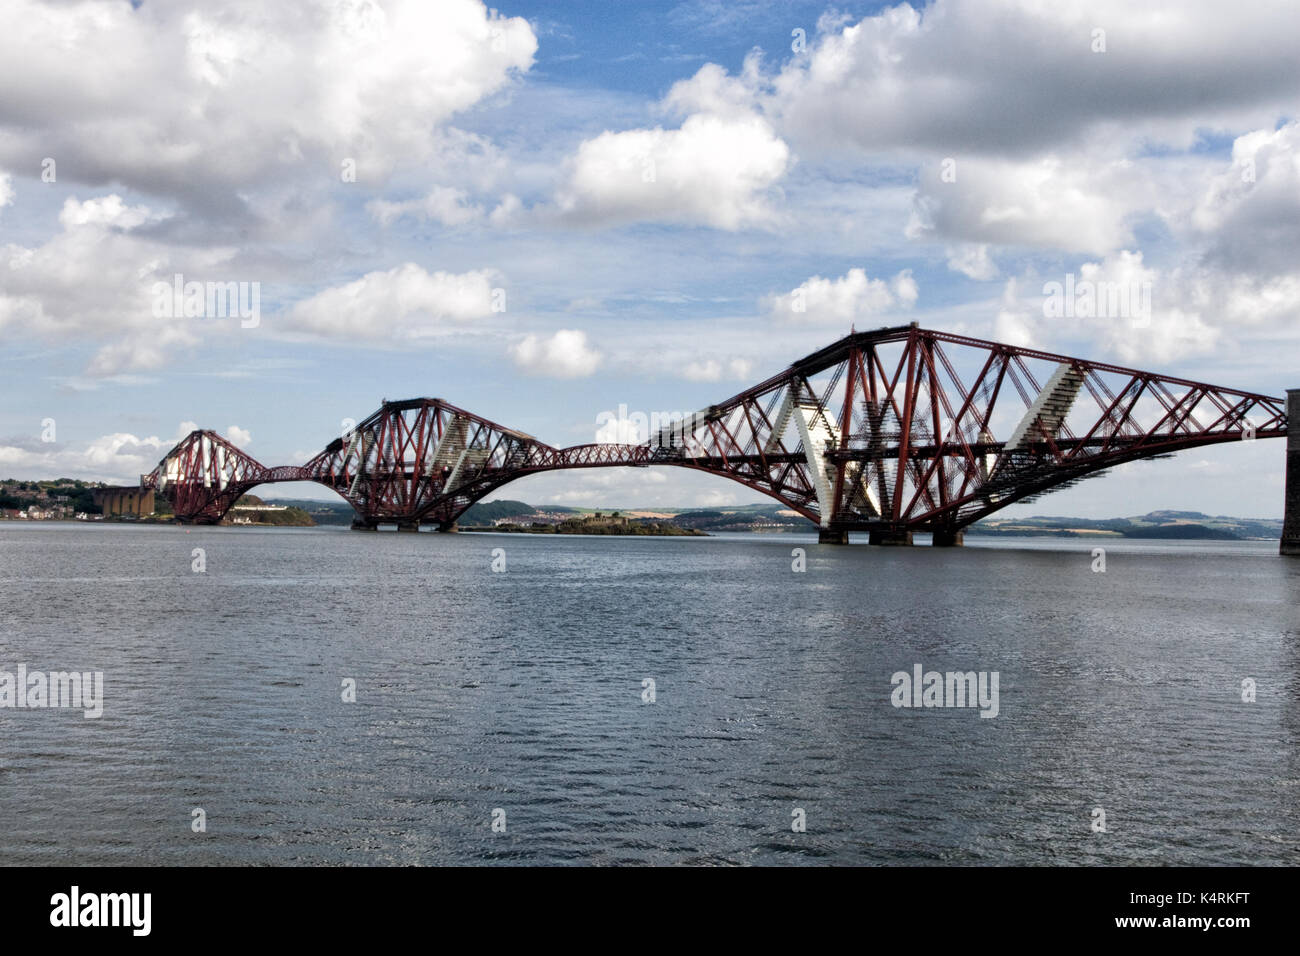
(411, 526)
(359, 525)
(949, 539)
(448, 527)
(832, 536)
(1291, 510)
(891, 539)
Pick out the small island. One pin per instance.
(252, 510)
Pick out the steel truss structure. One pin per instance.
(890, 431)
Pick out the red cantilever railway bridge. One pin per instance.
(891, 431)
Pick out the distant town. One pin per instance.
(60, 500)
(67, 499)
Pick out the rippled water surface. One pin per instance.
(522, 690)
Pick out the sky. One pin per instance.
(546, 212)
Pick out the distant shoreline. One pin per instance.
(972, 534)
(61, 500)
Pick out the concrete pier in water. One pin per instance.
(1291, 514)
(891, 539)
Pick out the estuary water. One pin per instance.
(521, 697)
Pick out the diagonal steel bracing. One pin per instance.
(891, 430)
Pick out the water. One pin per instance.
(522, 691)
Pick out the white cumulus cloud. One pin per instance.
(720, 168)
(205, 100)
(399, 304)
(850, 298)
(93, 281)
(566, 354)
